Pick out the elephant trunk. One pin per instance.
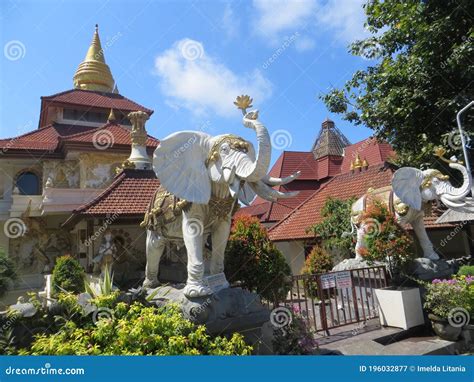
(271, 181)
(455, 194)
(258, 169)
(268, 193)
(451, 204)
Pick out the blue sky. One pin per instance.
(188, 60)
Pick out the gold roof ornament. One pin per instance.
(93, 73)
(111, 117)
(357, 162)
(352, 165)
(365, 163)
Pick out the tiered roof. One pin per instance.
(127, 196)
(330, 141)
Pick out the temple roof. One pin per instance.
(330, 141)
(127, 196)
(51, 140)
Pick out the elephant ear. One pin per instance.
(406, 184)
(179, 163)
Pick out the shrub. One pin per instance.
(336, 221)
(7, 272)
(466, 270)
(253, 259)
(294, 338)
(136, 330)
(318, 261)
(386, 240)
(68, 275)
(444, 297)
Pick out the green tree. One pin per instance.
(252, 259)
(336, 215)
(422, 77)
(68, 275)
(7, 272)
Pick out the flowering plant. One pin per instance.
(443, 297)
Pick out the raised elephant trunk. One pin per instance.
(454, 194)
(258, 169)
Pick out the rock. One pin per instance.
(427, 269)
(348, 264)
(225, 311)
(26, 309)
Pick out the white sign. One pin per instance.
(328, 281)
(343, 280)
(217, 282)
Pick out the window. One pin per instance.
(28, 183)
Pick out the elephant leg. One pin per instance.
(193, 235)
(155, 246)
(360, 244)
(220, 236)
(425, 242)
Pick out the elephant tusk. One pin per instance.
(449, 203)
(271, 181)
(268, 193)
(229, 174)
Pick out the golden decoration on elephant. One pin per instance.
(427, 180)
(234, 142)
(243, 102)
(440, 152)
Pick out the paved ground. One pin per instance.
(376, 340)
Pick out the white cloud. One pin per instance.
(230, 23)
(275, 16)
(192, 79)
(344, 19)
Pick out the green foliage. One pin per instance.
(336, 215)
(466, 270)
(136, 330)
(68, 275)
(420, 78)
(444, 297)
(294, 338)
(386, 240)
(317, 262)
(7, 272)
(252, 259)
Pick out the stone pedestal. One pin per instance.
(226, 311)
(427, 270)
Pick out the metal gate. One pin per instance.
(335, 299)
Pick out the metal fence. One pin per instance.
(335, 299)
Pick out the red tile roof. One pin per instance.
(344, 186)
(48, 139)
(95, 99)
(128, 195)
(118, 135)
(370, 149)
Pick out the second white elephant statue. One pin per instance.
(411, 192)
(202, 178)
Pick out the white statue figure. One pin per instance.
(411, 192)
(202, 179)
(107, 254)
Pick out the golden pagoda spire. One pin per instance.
(357, 162)
(93, 73)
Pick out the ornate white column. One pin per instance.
(139, 156)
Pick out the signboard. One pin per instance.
(217, 282)
(343, 280)
(328, 281)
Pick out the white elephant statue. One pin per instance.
(202, 178)
(411, 192)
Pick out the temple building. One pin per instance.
(88, 139)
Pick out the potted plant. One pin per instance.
(450, 304)
(386, 241)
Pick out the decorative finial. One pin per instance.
(365, 163)
(111, 117)
(357, 162)
(243, 102)
(440, 151)
(97, 28)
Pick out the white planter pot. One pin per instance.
(400, 308)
